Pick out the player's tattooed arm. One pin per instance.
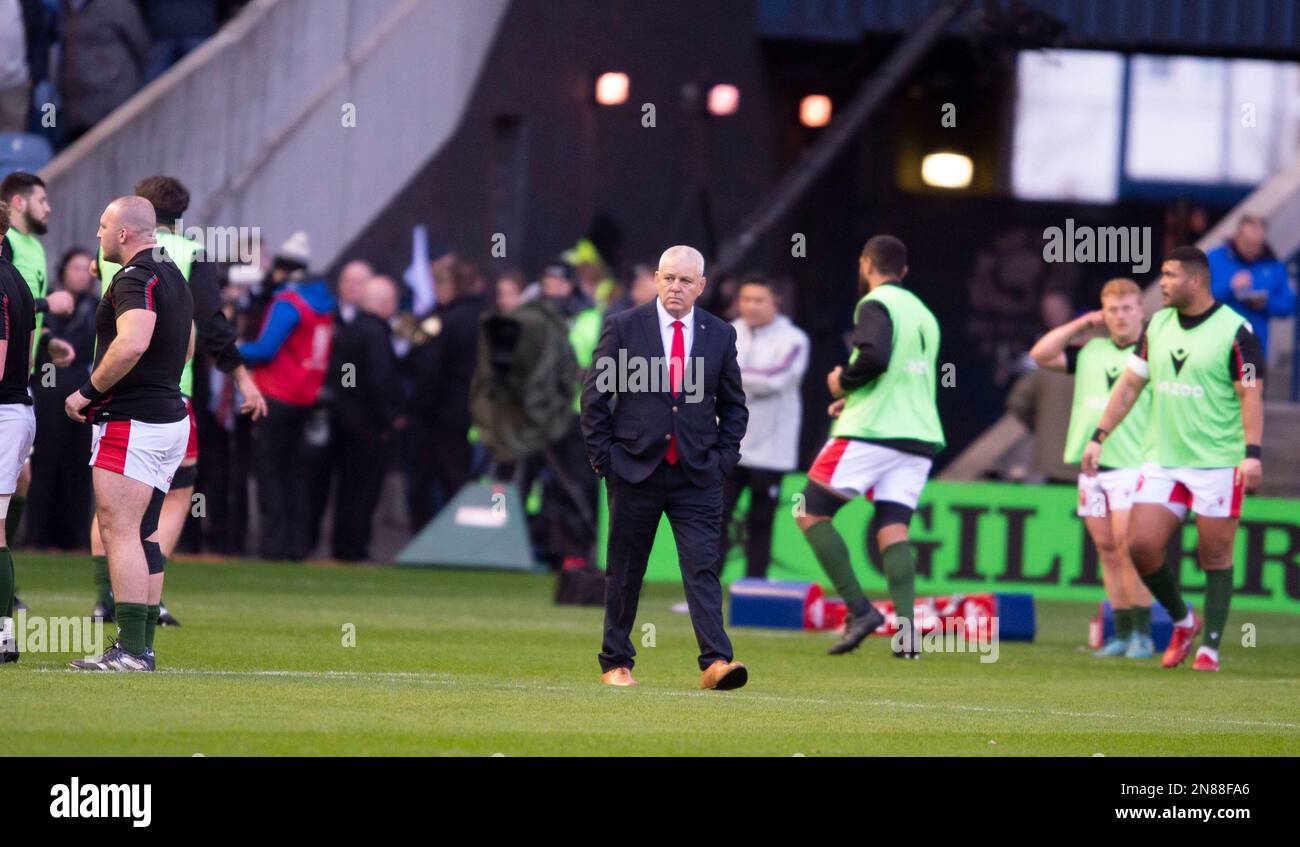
(1050, 351)
(1122, 398)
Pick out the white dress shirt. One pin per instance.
(666, 330)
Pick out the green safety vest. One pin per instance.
(29, 259)
(1195, 411)
(1098, 368)
(181, 251)
(900, 403)
(584, 334)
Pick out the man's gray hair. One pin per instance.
(683, 252)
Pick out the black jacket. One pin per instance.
(631, 436)
(441, 368)
(368, 395)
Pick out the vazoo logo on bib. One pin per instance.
(1179, 358)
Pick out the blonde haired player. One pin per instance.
(1105, 499)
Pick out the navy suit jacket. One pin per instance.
(627, 427)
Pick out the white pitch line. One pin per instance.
(445, 678)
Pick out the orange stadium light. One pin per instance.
(815, 110)
(611, 88)
(724, 99)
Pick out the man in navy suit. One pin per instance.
(663, 412)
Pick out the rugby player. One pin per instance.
(1206, 373)
(144, 335)
(17, 420)
(170, 199)
(882, 443)
(29, 216)
(1106, 498)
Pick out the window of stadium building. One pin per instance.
(1245, 111)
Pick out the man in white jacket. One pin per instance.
(773, 355)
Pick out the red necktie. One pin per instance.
(675, 362)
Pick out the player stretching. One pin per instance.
(1207, 419)
(1105, 499)
(143, 338)
(882, 443)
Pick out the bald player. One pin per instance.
(144, 336)
(214, 334)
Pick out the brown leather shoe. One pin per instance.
(724, 676)
(620, 677)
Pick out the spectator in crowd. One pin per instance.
(226, 436)
(363, 404)
(290, 359)
(773, 355)
(15, 82)
(104, 53)
(509, 291)
(59, 501)
(381, 297)
(441, 366)
(41, 18)
(177, 27)
(1245, 274)
(640, 290)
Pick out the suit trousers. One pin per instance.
(695, 515)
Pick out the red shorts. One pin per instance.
(191, 446)
(146, 452)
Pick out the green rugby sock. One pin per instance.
(900, 570)
(103, 584)
(150, 625)
(131, 622)
(1162, 587)
(1218, 596)
(828, 545)
(1142, 620)
(16, 504)
(6, 583)
(1123, 623)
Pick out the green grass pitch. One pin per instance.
(471, 663)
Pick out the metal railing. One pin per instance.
(297, 115)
